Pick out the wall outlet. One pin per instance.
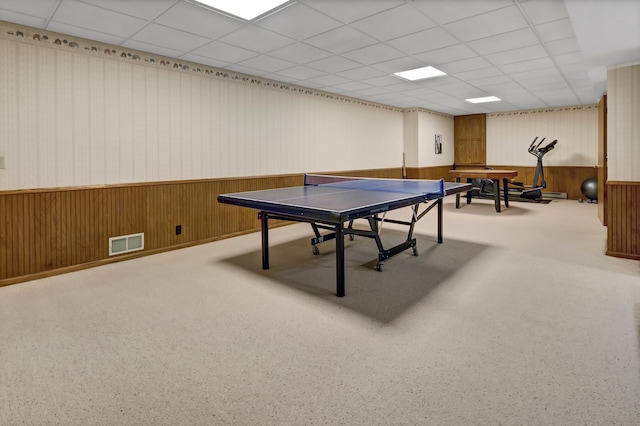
(178, 229)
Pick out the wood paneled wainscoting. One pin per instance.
(46, 232)
(623, 219)
(567, 179)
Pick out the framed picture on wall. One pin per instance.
(438, 144)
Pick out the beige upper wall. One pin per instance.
(576, 129)
(78, 117)
(74, 117)
(420, 128)
(623, 123)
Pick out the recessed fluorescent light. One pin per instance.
(245, 9)
(482, 100)
(420, 73)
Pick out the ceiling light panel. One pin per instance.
(483, 99)
(247, 10)
(420, 73)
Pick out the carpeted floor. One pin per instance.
(518, 318)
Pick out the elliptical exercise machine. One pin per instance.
(535, 191)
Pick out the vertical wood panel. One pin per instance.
(623, 229)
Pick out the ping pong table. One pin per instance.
(330, 202)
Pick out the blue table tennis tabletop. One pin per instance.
(328, 202)
(337, 199)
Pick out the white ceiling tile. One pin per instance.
(491, 23)
(373, 54)
(224, 52)
(559, 47)
(445, 11)
(434, 38)
(373, 91)
(536, 75)
(341, 40)
(328, 80)
(517, 55)
(22, 19)
(147, 10)
(393, 23)
(34, 9)
(446, 55)
(478, 74)
(299, 23)
(464, 65)
(361, 74)
(255, 38)
(351, 86)
(159, 35)
(301, 72)
(85, 33)
(507, 41)
(555, 30)
(399, 64)
(541, 11)
(535, 64)
(204, 60)
(569, 58)
(280, 78)
(97, 19)
(245, 70)
(486, 82)
(301, 53)
(158, 50)
(385, 80)
(349, 11)
(334, 64)
(191, 18)
(266, 63)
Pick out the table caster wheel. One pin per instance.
(415, 250)
(379, 266)
(315, 250)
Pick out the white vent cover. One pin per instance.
(126, 244)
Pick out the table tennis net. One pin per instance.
(432, 189)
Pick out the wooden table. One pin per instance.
(495, 175)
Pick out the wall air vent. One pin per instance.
(126, 244)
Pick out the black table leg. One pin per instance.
(264, 220)
(440, 219)
(339, 261)
(496, 193)
(505, 189)
(457, 195)
(469, 192)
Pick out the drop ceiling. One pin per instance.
(529, 53)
